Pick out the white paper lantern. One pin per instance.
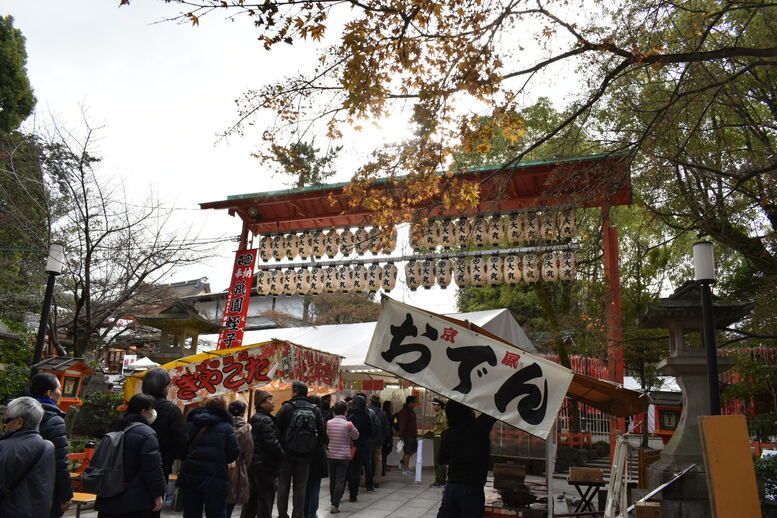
(302, 281)
(316, 281)
(276, 282)
(292, 246)
(389, 240)
(426, 271)
(346, 242)
(330, 279)
(431, 235)
(495, 231)
(373, 275)
(262, 282)
(417, 233)
(332, 243)
(549, 267)
(511, 269)
(514, 227)
(317, 244)
(265, 248)
(479, 232)
(389, 277)
(531, 227)
(548, 230)
(478, 268)
(344, 279)
(567, 226)
(289, 282)
(463, 232)
(461, 272)
(531, 266)
(444, 272)
(494, 273)
(566, 267)
(374, 240)
(412, 275)
(305, 242)
(359, 278)
(361, 240)
(447, 234)
(279, 247)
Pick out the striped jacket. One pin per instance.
(341, 433)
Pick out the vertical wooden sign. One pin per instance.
(236, 307)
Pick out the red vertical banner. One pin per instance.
(238, 297)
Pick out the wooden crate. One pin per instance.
(648, 509)
(586, 475)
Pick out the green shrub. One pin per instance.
(98, 413)
(766, 473)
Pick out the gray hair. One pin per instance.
(28, 409)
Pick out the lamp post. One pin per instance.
(54, 264)
(704, 274)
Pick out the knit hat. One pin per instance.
(260, 396)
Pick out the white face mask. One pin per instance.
(152, 417)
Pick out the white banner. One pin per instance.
(504, 382)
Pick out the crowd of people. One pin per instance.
(225, 460)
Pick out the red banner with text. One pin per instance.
(238, 297)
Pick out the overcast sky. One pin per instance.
(161, 93)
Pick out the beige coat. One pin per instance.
(241, 487)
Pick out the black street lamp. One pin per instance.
(54, 266)
(704, 274)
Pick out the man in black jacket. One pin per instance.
(169, 425)
(266, 462)
(295, 465)
(465, 447)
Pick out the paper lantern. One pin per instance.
(389, 240)
(361, 240)
(344, 279)
(304, 245)
(292, 246)
(289, 282)
(447, 233)
(549, 267)
(494, 272)
(444, 272)
(316, 281)
(548, 229)
(317, 244)
(375, 245)
(346, 242)
(279, 247)
(431, 235)
(265, 248)
(417, 233)
(261, 282)
(463, 232)
(567, 226)
(531, 271)
(566, 266)
(276, 282)
(412, 275)
(359, 278)
(478, 271)
(372, 277)
(479, 232)
(330, 279)
(389, 278)
(495, 231)
(426, 271)
(302, 281)
(531, 227)
(513, 225)
(461, 272)
(511, 269)
(331, 243)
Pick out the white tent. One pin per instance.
(142, 364)
(352, 340)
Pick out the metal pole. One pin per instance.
(710, 346)
(44, 320)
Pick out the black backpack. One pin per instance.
(377, 426)
(301, 435)
(105, 474)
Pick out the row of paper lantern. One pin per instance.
(476, 271)
(319, 244)
(483, 231)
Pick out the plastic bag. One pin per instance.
(400, 447)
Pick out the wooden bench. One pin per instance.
(82, 499)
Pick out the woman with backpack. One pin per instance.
(240, 489)
(145, 483)
(204, 480)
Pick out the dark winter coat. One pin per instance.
(31, 498)
(379, 435)
(408, 422)
(240, 488)
(362, 421)
(170, 429)
(284, 420)
(52, 428)
(319, 464)
(205, 465)
(267, 446)
(466, 449)
(142, 469)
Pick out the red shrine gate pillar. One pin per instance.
(613, 316)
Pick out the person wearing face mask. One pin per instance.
(45, 388)
(144, 481)
(169, 426)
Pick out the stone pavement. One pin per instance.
(397, 497)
